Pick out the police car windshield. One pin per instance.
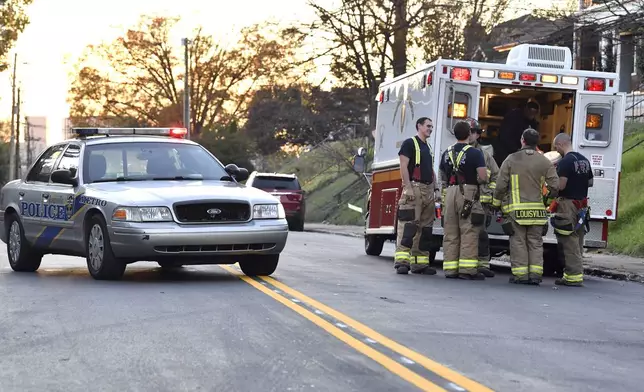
(145, 161)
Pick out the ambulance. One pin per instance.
(584, 104)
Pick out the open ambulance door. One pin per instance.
(457, 101)
(599, 135)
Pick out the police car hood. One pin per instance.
(140, 193)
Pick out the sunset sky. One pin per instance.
(61, 29)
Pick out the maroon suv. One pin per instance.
(289, 191)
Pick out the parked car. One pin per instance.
(117, 196)
(289, 190)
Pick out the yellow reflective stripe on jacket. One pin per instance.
(523, 206)
(563, 232)
(496, 202)
(485, 199)
(491, 185)
(514, 189)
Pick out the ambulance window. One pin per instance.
(460, 107)
(598, 124)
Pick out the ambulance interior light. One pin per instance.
(461, 74)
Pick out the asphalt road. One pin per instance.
(331, 319)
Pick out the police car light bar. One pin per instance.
(171, 132)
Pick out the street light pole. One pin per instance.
(186, 88)
(12, 143)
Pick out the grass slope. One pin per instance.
(330, 184)
(625, 234)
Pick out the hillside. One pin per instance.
(625, 234)
(330, 184)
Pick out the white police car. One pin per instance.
(120, 195)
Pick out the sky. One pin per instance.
(60, 30)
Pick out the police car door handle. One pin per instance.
(45, 195)
(21, 193)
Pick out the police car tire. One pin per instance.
(28, 259)
(111, 268)
(263, 265)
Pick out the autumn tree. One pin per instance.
(13, 20)
(367, 39)
(138, 77)
(304, 115)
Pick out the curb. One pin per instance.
(613, 275)
(333, 233)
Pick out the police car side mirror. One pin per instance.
(232, 169)
(242, 174)
(63, 176)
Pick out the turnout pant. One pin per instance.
(461, 235)
(526, 251)
(568, 240)
(414, 232)
(484, 240)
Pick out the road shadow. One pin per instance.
(133, 274)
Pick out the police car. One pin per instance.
(116, 196)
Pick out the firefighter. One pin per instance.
(571, 209)
(486, 198)
(416, 206)
(463, 168)
(513, 124)
(519, 188)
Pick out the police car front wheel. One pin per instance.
(101, 262)
(22, 257)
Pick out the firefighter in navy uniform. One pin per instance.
(462, 168)
(486, 198)
(416, 204)
(519, 194)
(571, 209)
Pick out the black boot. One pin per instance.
(515, 280)
(476, 276)
(402, 270)
(425, 271)
(487, 272)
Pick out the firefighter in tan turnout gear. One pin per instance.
(519, 194)
(462, 168)
(487, 191)
(416, 204)
(571, 208)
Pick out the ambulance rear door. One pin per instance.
(457, 101)
(599, 135)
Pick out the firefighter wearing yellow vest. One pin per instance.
(519, 194)
(486, 197)
(416, 207)
(463, 168)
(571, 209)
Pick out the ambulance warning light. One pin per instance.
(595, 84)
(461, 74)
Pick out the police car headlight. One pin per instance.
(142, 214)
(268, 211)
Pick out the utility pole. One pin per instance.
(186, 87)
(12, 144)
(18, 166)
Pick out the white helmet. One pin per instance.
(553, 156)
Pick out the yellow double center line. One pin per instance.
(458, 381)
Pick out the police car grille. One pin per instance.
(214, 248)
(212, 212)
